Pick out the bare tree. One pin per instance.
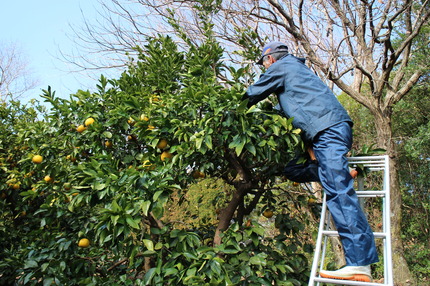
(15, 77)
(362, 47)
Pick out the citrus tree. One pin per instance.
(85, 183)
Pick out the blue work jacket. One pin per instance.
(301, 94)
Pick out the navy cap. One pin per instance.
(271, 48)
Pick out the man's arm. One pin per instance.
(268, 83)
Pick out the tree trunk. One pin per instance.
(401, 272)
(227, 214)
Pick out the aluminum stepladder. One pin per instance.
(370, 163)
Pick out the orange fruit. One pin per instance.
(131, 121)
(15, 186)
(84, 243)
(71, 158)
(37, 159)
(162, 144)
(268, 213)
(248, 223)
(166, 155)
(108, 144)
(89, 121)
(47, 179)
(144, 117)
(81, 128)
(197, 174)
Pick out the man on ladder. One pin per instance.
(327, 129)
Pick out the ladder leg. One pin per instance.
(318, 244)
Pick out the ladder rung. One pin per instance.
(371, 193)
(335, 233)
(368, 164)
(345, 282)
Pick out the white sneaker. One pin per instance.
(355, 273)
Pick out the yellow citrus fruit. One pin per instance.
(197, 174)
(15, 186)
(37, 159)
(248, 223)
(48, 179)
(81, 128)
(108, 144)
(162, 144)
(144, 117)
(268, 213)
(84, 243)
(150, 127)
(155, 98)
(71, 158)
(131, 121)
(166, 155)
(89, 121)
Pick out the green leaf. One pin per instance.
(114, 219)
(131, 222)
(199, 142)
(170, 271)
(240, 146)
(145, 207)
(208, 141)
(243, 106)
(259, 259)
(48, 281)
(30, 264)
(115, 207)
(99, 186)
(251, 149)
(107, 134)
(148, 276)
(148, 244)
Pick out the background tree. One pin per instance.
(411, 130)
(15, 77)
(351, 44)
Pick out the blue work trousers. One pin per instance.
(330, 148)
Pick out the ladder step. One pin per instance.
(370, 194)
(345, 282)
(335, 233)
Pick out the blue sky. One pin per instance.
(40, 29)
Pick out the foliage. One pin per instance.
(413, 137)
(200, 205)
(109, 183)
